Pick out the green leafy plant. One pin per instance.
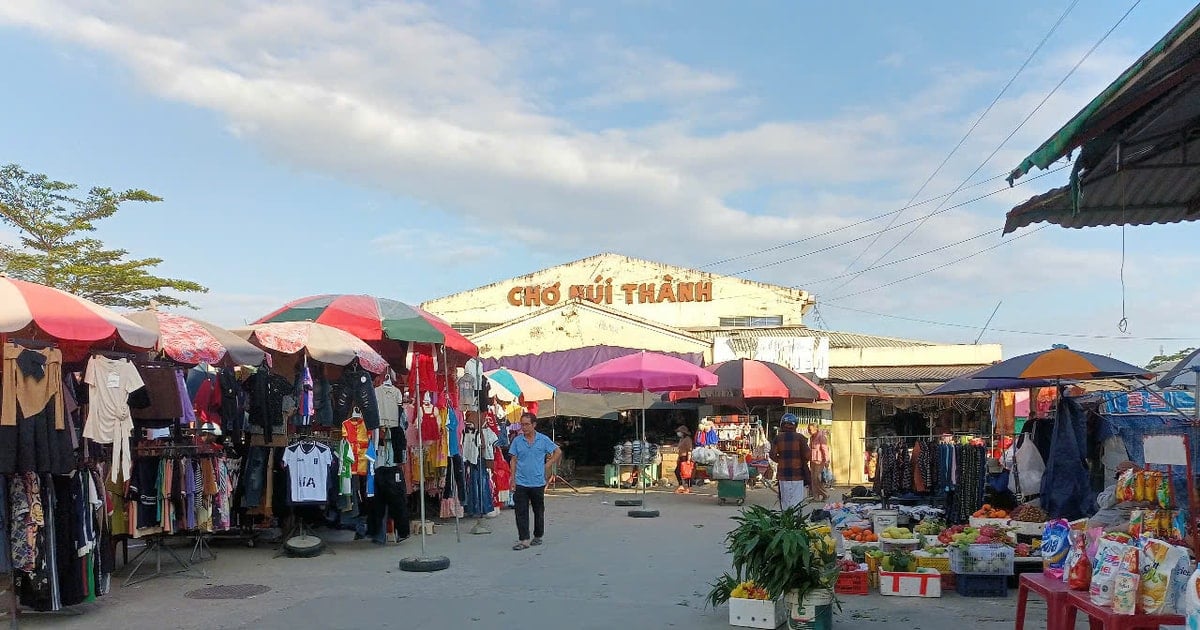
(781, 551)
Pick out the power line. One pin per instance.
(931, 322)
(971, 130)
(914, 256)
(1016, 129)
(895, 227)
(941, 266)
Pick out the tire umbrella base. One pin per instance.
(643, 513)
(627, 502)
(424, 564)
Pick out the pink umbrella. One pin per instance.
(644, 372)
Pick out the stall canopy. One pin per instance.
(33, 310)
(1139, 141)
(192, 341)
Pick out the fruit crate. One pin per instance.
(920, 583)
(852, 583)
(968, 585)
(982, 560)
(929, 561)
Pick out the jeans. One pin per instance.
(525, 497)
(390, 501)
(355, 389)
(254, 476)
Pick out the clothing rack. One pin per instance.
(157, 544)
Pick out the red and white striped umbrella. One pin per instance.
(192, 341)
(38, 310)
(323, 343)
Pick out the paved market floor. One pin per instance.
(598, 569)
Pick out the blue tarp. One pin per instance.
(1132, 429)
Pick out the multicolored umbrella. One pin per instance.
(374, 319)
(30, 308)
(509, 384)
(972, 384)
(1184, 372)
(323, 343)
(750, 379)
(192, 341)
(1061, 362)
(644, 372)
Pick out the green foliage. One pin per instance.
(1167, 358)
(777, 550)
(54, 251)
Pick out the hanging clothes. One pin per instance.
(109, 420)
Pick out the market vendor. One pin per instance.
(1113, 514)
(685, 453)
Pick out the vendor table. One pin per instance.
(1103, 618)
(1053, 591)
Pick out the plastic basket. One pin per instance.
(927, 561)
(981, 585)
(982, 560)
(852, 583)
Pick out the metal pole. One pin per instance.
(420, 457)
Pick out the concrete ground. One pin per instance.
(598, 569)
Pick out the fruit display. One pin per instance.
(987, 511)
(1024, 550)
(897, 533)
(963, 535)
(748, 590)
(930, 527)
(859, 534)
(848, 566)
(1029, 514)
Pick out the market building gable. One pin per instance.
(670, 295)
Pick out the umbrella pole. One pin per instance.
(640, 467)
(422, 563)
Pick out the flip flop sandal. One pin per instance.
(520, 547)
(535, 542)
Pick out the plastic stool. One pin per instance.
(1053, 591)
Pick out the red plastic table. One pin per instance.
(1053, 591)
(1103, 618)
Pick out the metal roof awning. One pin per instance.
(893, 381)
(1140, 145)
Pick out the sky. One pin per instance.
(415, 150)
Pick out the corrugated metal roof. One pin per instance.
(880, 390)
(1138, 140)
(935, 374)
(741, 336)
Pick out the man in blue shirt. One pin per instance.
(532, 455)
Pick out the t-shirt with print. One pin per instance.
(388, 399)
(308, 465)
(531, 459)
(110, 381)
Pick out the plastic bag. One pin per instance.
(1157, 563)
(739, 470)
(1137, 523)
(1189, 603)
(1127, 484)
(1179, 579)
(1030, 468)
(1128, 582)
(1078, 568)
(1056, 543)
(1104, 571)
(827, 477)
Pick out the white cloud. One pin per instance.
(440, 248)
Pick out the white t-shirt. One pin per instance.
(308, 465)
(110, 381)
(470, 446)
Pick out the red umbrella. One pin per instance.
(374, 319)
(192, 341)
(33, 309)
(749, 379)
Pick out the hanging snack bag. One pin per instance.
(1104, 571)
(1164, 491)
(1157, 563)
(1128, 583)
(1078, 567)
(1127, 486)
(1137, 522)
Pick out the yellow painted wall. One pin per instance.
(845, 445)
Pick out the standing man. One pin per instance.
(790, 452)
(532, 456)
(818, 446)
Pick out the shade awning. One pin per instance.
(1138, 142)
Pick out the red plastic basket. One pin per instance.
(852, 583)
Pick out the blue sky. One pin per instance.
(412, 150)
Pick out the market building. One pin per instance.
(555, 322)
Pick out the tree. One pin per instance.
(53, 223)
(1167, 358)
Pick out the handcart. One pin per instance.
(731, 490)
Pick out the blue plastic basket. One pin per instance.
(969, 585)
